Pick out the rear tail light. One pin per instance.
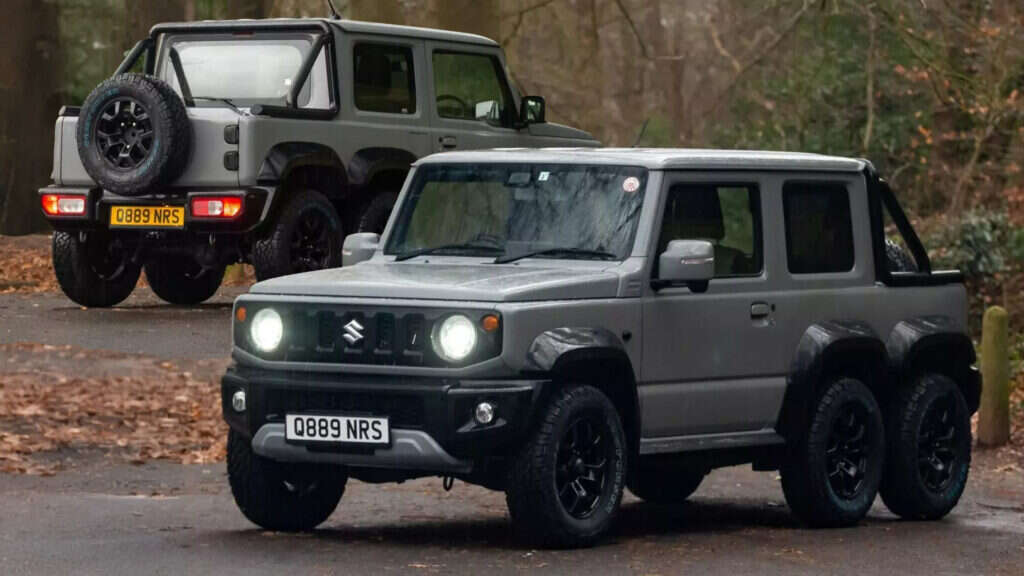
(221, 207)
(63, 204)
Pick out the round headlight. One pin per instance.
(455, 338)
(266, 330)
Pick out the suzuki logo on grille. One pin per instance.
(353, 332)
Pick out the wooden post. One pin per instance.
(994, 415)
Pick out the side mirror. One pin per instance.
(359, 247)
(531, 110)
(488, 111)
(690, 262)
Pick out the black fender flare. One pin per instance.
(369, 162)
(285, 157)
(934, 343)
(824, 346)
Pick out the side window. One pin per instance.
(726, 215)
(819, 231)
(384, 79)
(470, 87)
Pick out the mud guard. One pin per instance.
(935, 343)
(287, 156)
(823, 344)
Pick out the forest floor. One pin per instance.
(111, 451)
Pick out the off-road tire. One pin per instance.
(261, 493)
(538, 515)
(180, 279)
(375, 216)
(904, 489)
(84, 279)
(171, 143)
(805, 476)
(659, 485)
(272, 254)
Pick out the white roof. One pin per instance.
(657, 158)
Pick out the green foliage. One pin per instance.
(979, 244)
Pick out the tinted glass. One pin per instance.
(819, 232)
(513, 209)
(725, 215)
(464, 84)
(384, 79)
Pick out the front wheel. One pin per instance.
(565, 484)
(831, 476)
(306, 235)
(929, 449)
(180, 279)
(281, 496)
(96, 271)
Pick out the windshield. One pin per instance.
(575, 211)
(247, 70)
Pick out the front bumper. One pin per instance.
(255, 201)
(431, 419)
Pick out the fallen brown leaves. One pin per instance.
(25, 265)
(168, 415)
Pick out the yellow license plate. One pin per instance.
(147, 216)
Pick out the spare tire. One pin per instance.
(134, 135)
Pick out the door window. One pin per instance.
(470, 87)
(819, 231)
(384, 79)
(728, 216)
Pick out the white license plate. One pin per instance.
(339, 429)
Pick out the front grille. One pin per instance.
(403, 410)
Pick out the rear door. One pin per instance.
(471, 103)
(712, 362)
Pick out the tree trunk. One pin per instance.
(475, 16)
(387, 11)
(248, 8)
(141, 16)
(30, 96)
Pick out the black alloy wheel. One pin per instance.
(311, 245)
(847, 452)
(581, 467)
(936, 454)
(124, 132)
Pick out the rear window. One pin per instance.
(819, 231)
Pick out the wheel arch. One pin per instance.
(828, 349)
(371, 166)
(297, 165)
(934, 344)
(593, 356)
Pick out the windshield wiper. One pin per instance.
(600, 254)
(224, 100)
(454, 246)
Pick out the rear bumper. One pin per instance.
(256, 201)
(432, 424)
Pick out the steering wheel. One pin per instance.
(464, 111)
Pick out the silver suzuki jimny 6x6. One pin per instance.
(561, 324)
(263, 141)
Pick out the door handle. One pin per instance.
(447, 142)
(760, 310)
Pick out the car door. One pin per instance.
(712, 364)
(472, 106)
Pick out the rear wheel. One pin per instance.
(566, 482)
(832, 474)
(929, 452)
(306, 235)
(375, 216)
(282, 496)
(96, 271)
(180, 279)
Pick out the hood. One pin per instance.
(432, 281)
(555, 130)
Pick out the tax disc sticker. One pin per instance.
(631, 184)
(543, 177)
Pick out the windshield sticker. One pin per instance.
(631, 184)
(543, 176)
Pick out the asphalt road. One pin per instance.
(101, 516)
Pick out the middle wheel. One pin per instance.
(180, 279)
(566, 482)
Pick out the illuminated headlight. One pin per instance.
(455, 338)
(266, 330)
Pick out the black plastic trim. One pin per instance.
(141, 47)
(69, 111)
(949, 349)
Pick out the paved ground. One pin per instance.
(102, 516)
